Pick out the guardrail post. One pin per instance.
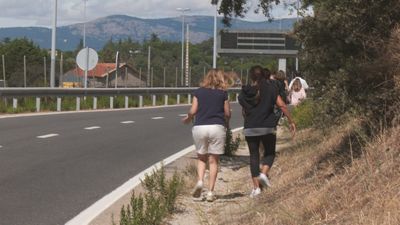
(78, 103)
(37, 104)
(111, 102)
(178, 99)
(58, 104)
(95, 102)
(140, 101)
(154, 99)
(15, 103)
(189, 99)
(237, 97)
(165, 99)
(126, 102)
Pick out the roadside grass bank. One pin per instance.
(155, 199)
(341, 176)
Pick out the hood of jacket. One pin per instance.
(247, 97)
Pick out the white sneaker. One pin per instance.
(210, 197)
(264, 181)
(255, 192)
(197, 189)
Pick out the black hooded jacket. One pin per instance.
(259, 113)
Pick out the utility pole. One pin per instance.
(187, 58)
(183, 10)
(215, 2)
(148, 66)
(53, 46)
(45, 71)
(84, 42)
(60, 80)
(24, 71)
(4, 71)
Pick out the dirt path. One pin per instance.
(232, 189)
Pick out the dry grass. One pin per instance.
(332, 179)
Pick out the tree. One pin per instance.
(343, 49)
(14, 52)
(238, 8)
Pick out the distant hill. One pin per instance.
(99, 31)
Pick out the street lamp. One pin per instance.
(84, 23)
(183, 10)
(84, 42)
(215, 2)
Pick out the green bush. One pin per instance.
(231, 146)
(157, 201)
(304, 114)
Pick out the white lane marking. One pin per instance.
(182, 115)
(86, 216)
(92, 128)
(1, 146)
(157, 118)
(47, 136)
(127, 122)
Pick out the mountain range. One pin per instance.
(116, 27)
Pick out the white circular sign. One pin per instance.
(87, 58)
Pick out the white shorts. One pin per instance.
(209, 139)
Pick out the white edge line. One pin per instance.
(87, 215)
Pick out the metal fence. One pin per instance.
(78, 93)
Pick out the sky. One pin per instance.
(22, 13)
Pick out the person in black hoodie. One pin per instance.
(258, 100)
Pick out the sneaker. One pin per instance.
(210, 197)
(264, 181)
(255, 192)
(197, 189)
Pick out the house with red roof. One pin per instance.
(104, 75)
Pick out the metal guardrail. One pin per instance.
(58, 93)
(80, 92)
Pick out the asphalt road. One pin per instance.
(52, 167)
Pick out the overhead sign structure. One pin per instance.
(257, 42)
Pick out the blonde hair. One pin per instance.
(296, 85)
(215, 79)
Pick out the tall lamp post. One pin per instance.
(183, 10)
(84, 23)
(53, 46)
(215, 2)
(84, 43)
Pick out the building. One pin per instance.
(103, 76)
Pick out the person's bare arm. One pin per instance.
(192, 112)
(227, 112)
(281, 104)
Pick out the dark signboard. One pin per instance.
(274, 43)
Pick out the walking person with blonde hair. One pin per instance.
(211, 112)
